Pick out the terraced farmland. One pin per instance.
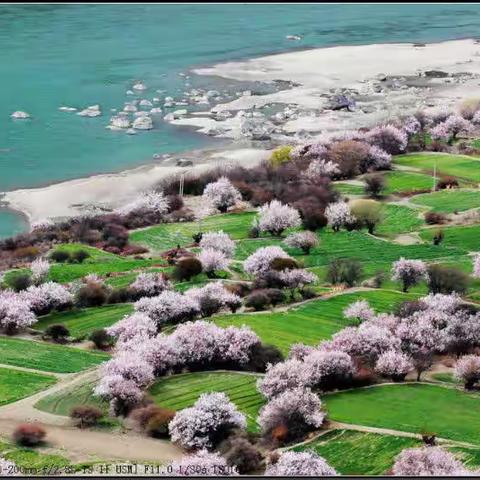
(465, 237)
(449, 201)
(47, 357)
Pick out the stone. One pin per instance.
(131, 131)
(145, 103)
(143, 123)
(20, 115)
(156, 110)
(92, 111)
(293, 37)
(169, 117)
(180, 113)
(139, 86)
(436, 74)
(130, 92)
(129, 108)
(67, 109)
(120, 122)
(182, 162)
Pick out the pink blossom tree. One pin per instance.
(219, 241)
(411, 126)
(281, 377)
(168, 307)
(297, 278)
(394, 364)
(298, 351)
(298, 410)
(46, 297)
(389, 138)
(122, 394)
(235, 344)
(379, 159)
(131, 326)
(359, 311)
(298, 464)
(149, 284)
(213, 297)
(326, 370)
(212, 417)
(149, 202)
(40, 268)
(201, 464)
(427, 461)
(221, 194)
(305, 241)
(213, 261)
(130, 366)
(338, 215)
(409, 272)
(320, 168)
(450, 129)
(15, 313)
(275, 218)
(259, 262)
(467, 370)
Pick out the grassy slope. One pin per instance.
(398, 219)
(83, 321)
(449, 201)
(312, 322)
(467, 237)
(406, 182)
(448, 412)
(359, 453)
(16, 384)
(181, 391)
(47, 357)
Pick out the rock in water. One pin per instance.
(143, 123)
(340, 102)
(120, 122)
(67, 109)
(293, 37)
(92, 111)
(131, 131)
(145, 103)
(20, 115)
(139, 86)
(129, 107)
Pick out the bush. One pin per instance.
(157, 425)
(187, 268)
(346, 271)
(368, 213)
(447, 279)
(438, 237)
(101, 339)
(119, 295)
(311, 213)
(280, 156)
(19, 281)
(433, 218)
(379, 279)
(91, 294)
(350, 155)
(60, 256)
(240, 453)
(86, 415)
(79, 256)
(258, 300)
(29, 434)
(275, 295)
(115, 235)
(374, 185)
(447, 182)
(280, 264)
(28, 253)
(57, 332)
(261, 355)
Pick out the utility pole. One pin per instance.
(182, 182)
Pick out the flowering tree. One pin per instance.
(46, 297)
(298, 410)
(203, 464)
(393, 364)
(359, 310)
(324, 369)
(222, 194)
(123, 394)
(219, 241)
(450, 128)
(304, 240)
(281, 377)
(234, 345)
(15, 313)
(411, 126)
(212, 416)
(148, 202)
(131, 326)
(296, 464)
(427, 461)
(213, 297)
(312, 151)
(379, 159)
(40, 269)
(320, 168)
(298, 351)
(297, 278)
(441, 302)
(338, 215)
(130, 366)
(149, 284)
(467, 370)
(409, 272)
(274, 218)
(462, 332)
(168, 307)
(212, 261)
(260, 261)
(476, 266)
(388, 138)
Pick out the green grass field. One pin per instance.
(181, 391)
(466, 237)
(61, 402)
(349, 189)
(456, 165)
(359, 453)
(82, 322)
(312, 322)
(448, 412)
(449, 201)
(47, 357)
(398, 219)
(169, 235)
(17, 384)
(398, 182)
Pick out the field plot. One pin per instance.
(460, 166)
(312, 322)
(449, 201)
(83, 321)
(398, 182)
(47, 357)
(466, 237)
(166, 236)
(359, 453)
(17, 384)
(181, 391)
(448, 412)
(398, 219)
